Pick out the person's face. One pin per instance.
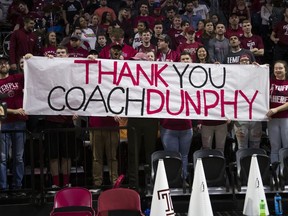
(124, 14)
(190, 37)
(200, 25)
(4, 67)
(95, 20)
(151, 56)
(103, 2)
(234, 41)
(22, 8)
(29, 26)
(214, 19)
(146, 36)
(220, 29)
(177, 22)
(83, 22)
(52, 37)
(247, 27)
(115, 53)
(140, 26)
(158, 29)
(186, 25)
(186, 58)
(279, 71)
(162, 44)
(209, 27)
(101, 40)
(170, 14)
(144, 9)
(75, 43)
(201, 53)
(234, 20)
(78, 32)
(108, 16)
(61, 53)
(189, 7)
(195, 3)
(244, 60)
(169, 2)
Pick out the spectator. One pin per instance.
(242, 11)
(151, 56)
(234, 27)
(171, 12)
(208, 33)
(175, 30)
(278, 123)
(280, 38)
(200, 30)
(74, 48)
(104, 8)
(191, 45)
(146, 45)
(106, 20)
(87, 34)
(23, 41)
(219, 46)
(252, 42)
(105, 140)
(143, 16)
(165, 53)
(190, 15)
(117, 36)
(95, 25)
(137, 40)
(248, 133)
(200, 9)
(181, 38)
(12, 86)
(50, 45)
(70, 9)
(101, 42)
(176, 134)
(233, 57)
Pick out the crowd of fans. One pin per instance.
(207, 31)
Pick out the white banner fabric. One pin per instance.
(67, 86)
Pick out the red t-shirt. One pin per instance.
(279, 96)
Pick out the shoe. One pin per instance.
(19, 194)
(55, 187)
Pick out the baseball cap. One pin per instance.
(74, 36)
(244, 57)
(140, 56)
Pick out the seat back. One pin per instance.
(214, 165)
(243, 161)
(73, 196)
(173, 167)
(119, 201)
(283, 166)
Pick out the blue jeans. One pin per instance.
(16, 140)
(180, 141)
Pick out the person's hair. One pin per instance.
(146, 31)
(117, 32)
(62, 47)
(77, 22)
(104, 18)
(169, 8)
(158, 22)
(184, 22)
(220, 23)
(27, 19)
(246, 21)
(47, 42)
(207, 59)
(184, 53)
(145, 23)
(285, 66)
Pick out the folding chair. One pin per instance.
(119, 202)
(243, 161)
(174, 170)
(283, 168)
(214, 165)
(74, 201)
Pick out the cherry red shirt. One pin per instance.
(279, 96)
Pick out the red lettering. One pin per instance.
(161, 96)
(234, 103)
(127, 74)
(139, 70)
(158, 74)
(209, 106)
(86, 62)
(249, 102)
(189, 100)
(113, 73)
(181, 103)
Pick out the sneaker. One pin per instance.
(55, 187)
(19, 194)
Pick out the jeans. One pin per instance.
(248, 134)
(180, 141)
(207, 135)
(15, 140)
(278, 136)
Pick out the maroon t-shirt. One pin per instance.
(279, 96)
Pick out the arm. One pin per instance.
(19, 111)
(280, 108)
(274, 38)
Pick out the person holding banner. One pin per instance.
(165, 53)
(176, 134)
(278, 114)
(12, 86)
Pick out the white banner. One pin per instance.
(69, 86)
